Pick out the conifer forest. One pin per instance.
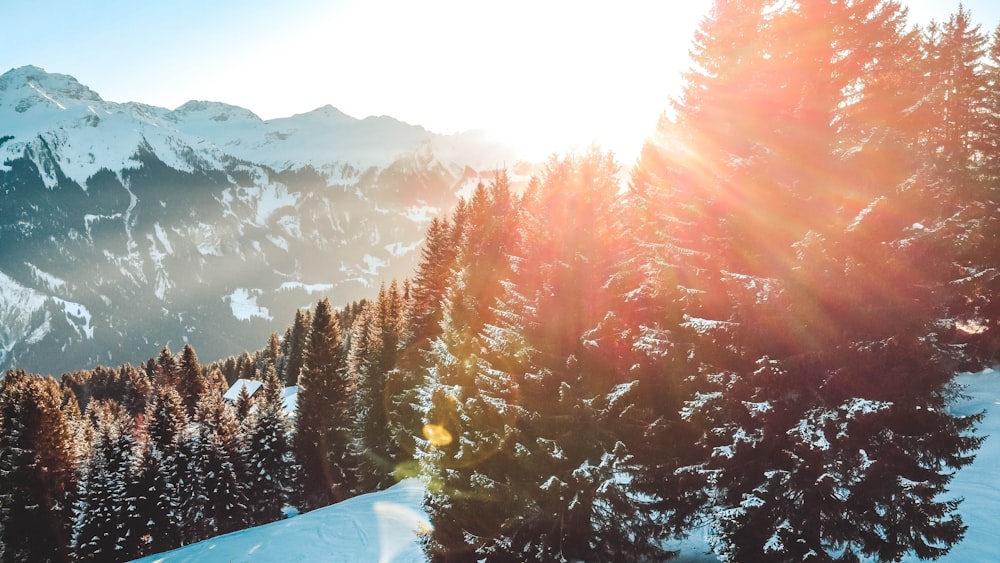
(754, 328)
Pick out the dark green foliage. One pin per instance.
(374, 347)
(294, 346)
(268, 456)
(324, 426)
(166, 420)
(807, 331)
(222, 472)
(127, 385)
(106, 519)
(524, 443)
(37, 469)
(243, 405)
(189, 380)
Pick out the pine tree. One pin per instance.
(36, 469)
(162, 496)
(325, 417)
(375, 338)
(190, 381)
(806, 356)
(268, 455)
(222, 473)
(166, 368)
(271, 354)
(524, 445)
(138, 389)
(423, 324)
(105, 511)
(244, 404)
(294, 345)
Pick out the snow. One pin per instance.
(372, 265)
(267, 200)
(810, 430)
(233, 392)
(864, 406)
(52, 283)
(977, 483)
(18, 304)
(399, 249)
(77, 316)
(307, 287)
(864, 213)
(384, 526)
(290, 399)
(243, 302)
(704, 326)
(161, 235)
(421, 214)
(55, 120)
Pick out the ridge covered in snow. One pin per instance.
(128, 226)
(53, 114)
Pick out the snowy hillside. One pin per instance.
(385, 526)
(377, 527)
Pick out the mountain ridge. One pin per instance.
(127, 227)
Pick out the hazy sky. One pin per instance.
(547, 74)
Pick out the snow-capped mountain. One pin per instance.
(126, 227)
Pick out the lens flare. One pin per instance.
(437, 435)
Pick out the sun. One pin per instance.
(545, 76)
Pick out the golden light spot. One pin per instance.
(406, 469)
(437, 435)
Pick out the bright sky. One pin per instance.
(546, 74)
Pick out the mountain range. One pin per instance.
(127, 227)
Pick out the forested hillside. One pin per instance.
(756, 332)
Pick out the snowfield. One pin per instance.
(979, 483)
(386, 526)
(379, 527)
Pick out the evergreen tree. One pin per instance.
(166, 368)
(294, 345)
(190, 381)
(138, 389)
(423, 324)
(244, 404)
(325, 417)
(375, 338)
(161, 495)
(271, 354)
(221, 467)
(268, 455)
(36, 469)
(805, 357)
(524, 443)
(104, 514)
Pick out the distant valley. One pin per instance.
(128, 227)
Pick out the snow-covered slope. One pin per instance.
(379, 527)
(53, 113)
(126, 227)
(385, 526)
